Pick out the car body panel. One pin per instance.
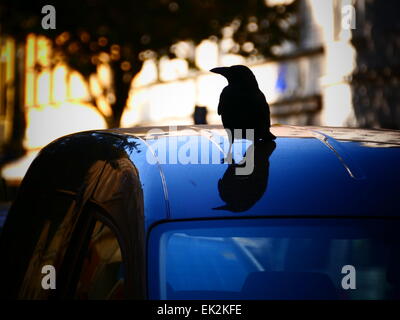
(307, 165)
(342, 172)
(313, 172)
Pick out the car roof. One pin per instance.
(307, 172)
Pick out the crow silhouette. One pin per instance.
(242, 105)
(241, 192)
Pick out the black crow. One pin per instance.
(242, 105)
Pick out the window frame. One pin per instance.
(72, 264)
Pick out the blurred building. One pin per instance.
(375, 80)
(343, 72)
(53, 101)
(7, 65)
(300, 85)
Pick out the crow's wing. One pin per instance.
(223, 100)
(263, 106)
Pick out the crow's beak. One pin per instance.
(221, 70)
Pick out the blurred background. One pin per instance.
(100, 64)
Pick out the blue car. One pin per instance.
(161, 213)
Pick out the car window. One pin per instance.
(52, 243)
(275, 259)
(102, 275)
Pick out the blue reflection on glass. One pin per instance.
(274, 259)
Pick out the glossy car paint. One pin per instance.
(311, 172)
(306, 172)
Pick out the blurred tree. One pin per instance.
(125, 33)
